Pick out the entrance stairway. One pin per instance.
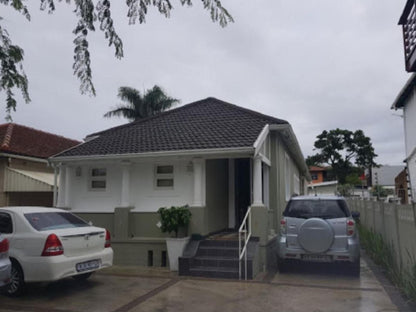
(217, 257)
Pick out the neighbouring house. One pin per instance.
(318, 174)
(217, 157)
(323, 188)
(384, 176)
(25, 176)
(401, 187)
(406, 101)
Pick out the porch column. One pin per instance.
(257, 182)
(125, 184)
(198, 202)
(68, 175)
(61, 191)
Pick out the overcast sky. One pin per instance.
(318, 64)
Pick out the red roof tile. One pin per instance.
(316, 168)
(22, 140)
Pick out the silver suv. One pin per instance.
(318, 229)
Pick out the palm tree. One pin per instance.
(138, 106)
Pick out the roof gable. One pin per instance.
(205, 124)
(25, 141)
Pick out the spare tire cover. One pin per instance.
(315, 235)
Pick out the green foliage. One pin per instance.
(138, 106)
(380, 191)
(383, 254)
(174, 218)
(341, 149)
(88, 14)
(345, 189)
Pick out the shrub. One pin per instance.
(174, 218)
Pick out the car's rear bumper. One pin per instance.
(350, 254)
(47, 269)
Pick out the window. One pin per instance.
(296, 185)
(98, 179)
(44, 221)
(6, 225)
(164, 177)
(325, 209)
(314, 176)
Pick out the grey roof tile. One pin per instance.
(205, 124)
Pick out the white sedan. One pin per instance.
(48, 244)
(5, 265)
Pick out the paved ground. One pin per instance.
(138, 289)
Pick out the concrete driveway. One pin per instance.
(139, 289)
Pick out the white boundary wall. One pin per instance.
(395, 223)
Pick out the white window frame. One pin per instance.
(92, 178)
(164, 176)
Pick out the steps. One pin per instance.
(215, 258)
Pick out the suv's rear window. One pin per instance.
(321, 208)
(44, 221)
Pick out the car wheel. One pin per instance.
(82, 277)
(355, 268)
(17, 284)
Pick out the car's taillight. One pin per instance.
(350, 227)
(4, 245)
(283, 226)
(107, 239)
(53, 246)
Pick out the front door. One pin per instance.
(242, 189)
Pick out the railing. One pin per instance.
(245, 231)
(408, 22)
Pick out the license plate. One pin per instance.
(317, 258)
(88, 265)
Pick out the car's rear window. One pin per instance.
(320, 208)
(44, 221)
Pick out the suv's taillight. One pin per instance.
(4, 245)
(53, 246)
(283, 226)
(107, 239)
(350, 227)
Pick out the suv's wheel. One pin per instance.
(17, 285)
(315, 235)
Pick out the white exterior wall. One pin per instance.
(144, 196)
(409, 117)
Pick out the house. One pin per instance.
(216, 157)
(406, 101)
(401, 187)
(318, 174)
(25, 177)
(385, 175)
(323, 188)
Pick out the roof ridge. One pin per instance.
(7, 136)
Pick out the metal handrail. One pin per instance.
(245, 229)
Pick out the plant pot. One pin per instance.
(176, 246)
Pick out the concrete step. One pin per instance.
(218, 251)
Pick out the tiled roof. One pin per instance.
(206, 124)
(316, 168)
(25, 141)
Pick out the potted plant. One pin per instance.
(175, 220)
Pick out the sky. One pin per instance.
(319, 64)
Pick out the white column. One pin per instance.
(198, 202)
(125, 184)
(68, 178)
(61, 190)
(257, 182)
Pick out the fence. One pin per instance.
(395, 223)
